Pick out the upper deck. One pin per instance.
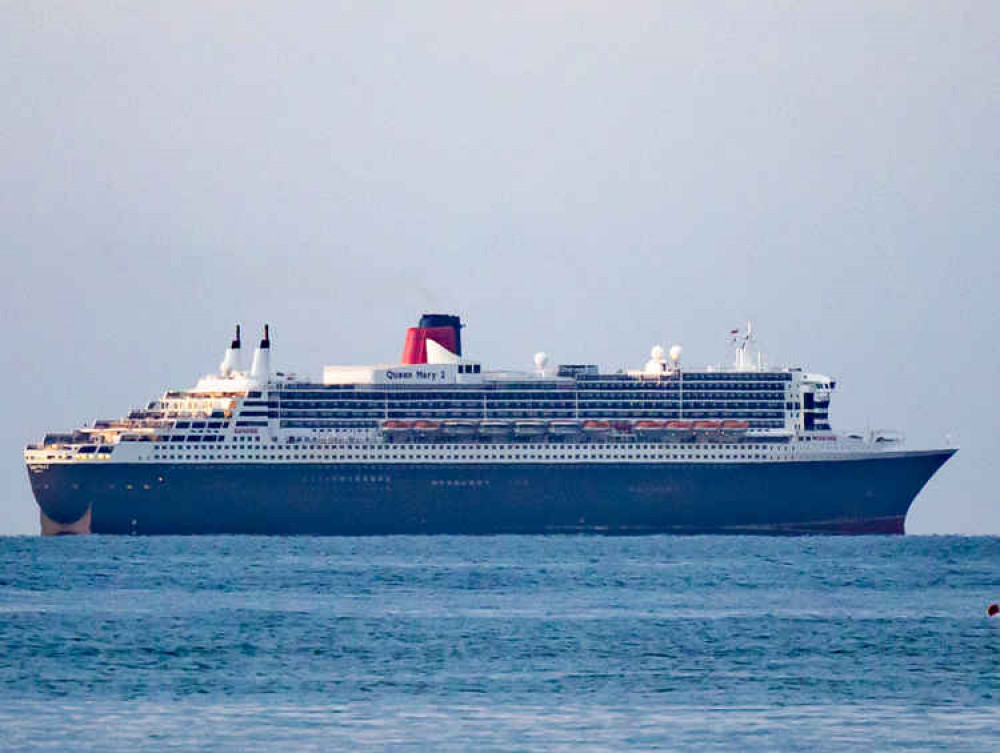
(439, 396)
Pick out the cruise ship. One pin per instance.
(437, 444)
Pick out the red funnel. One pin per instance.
(415, 347)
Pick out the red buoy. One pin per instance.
(993, 610)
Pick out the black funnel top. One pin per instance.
(235, 344)
(266, 342)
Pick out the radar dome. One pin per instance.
(675, 353)
(657, 353)
(541, 360)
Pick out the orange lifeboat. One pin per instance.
(426, 427)
(733, 429)
(646, 428)
(707, 429)
(680, 431)
(596, 427)
(395, 428)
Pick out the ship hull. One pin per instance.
(842, 496)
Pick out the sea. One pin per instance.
(506, 643)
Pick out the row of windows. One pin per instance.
(768, 421)
(302, 451)
(357, 479)
(712, 394)
(692, 403)
(600, 415)
(584, 408)
(326, 423)
(696, 411)
(739, 376)
(485, 455)
(328, 444)
(305, 446)
(357, 413)
(477, 395)
(324, 391)
(491, 405)
(682, 386)
(206, 438)
(720, 376)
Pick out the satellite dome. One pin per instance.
(657, 353)
(675, 353)
(541, 360)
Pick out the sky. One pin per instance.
(583, 178)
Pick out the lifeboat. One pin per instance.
(680, 431)
(595, 428)
(707, 429)
(459, 428)
(425, 427)
(394, 428)
(649, 429)
(732, 429)
(564, 428)
(493, 427)
(530, 428)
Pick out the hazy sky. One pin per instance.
(583, 178)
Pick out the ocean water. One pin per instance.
(499, 643)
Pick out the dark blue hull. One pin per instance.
(833, 496)
(830, 496)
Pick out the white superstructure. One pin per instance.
(450, 410)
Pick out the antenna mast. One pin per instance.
(745, 346)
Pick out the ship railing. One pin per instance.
(887, 437)
(611, 438)
(874, 437)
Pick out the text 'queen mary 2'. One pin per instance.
(437, 444)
